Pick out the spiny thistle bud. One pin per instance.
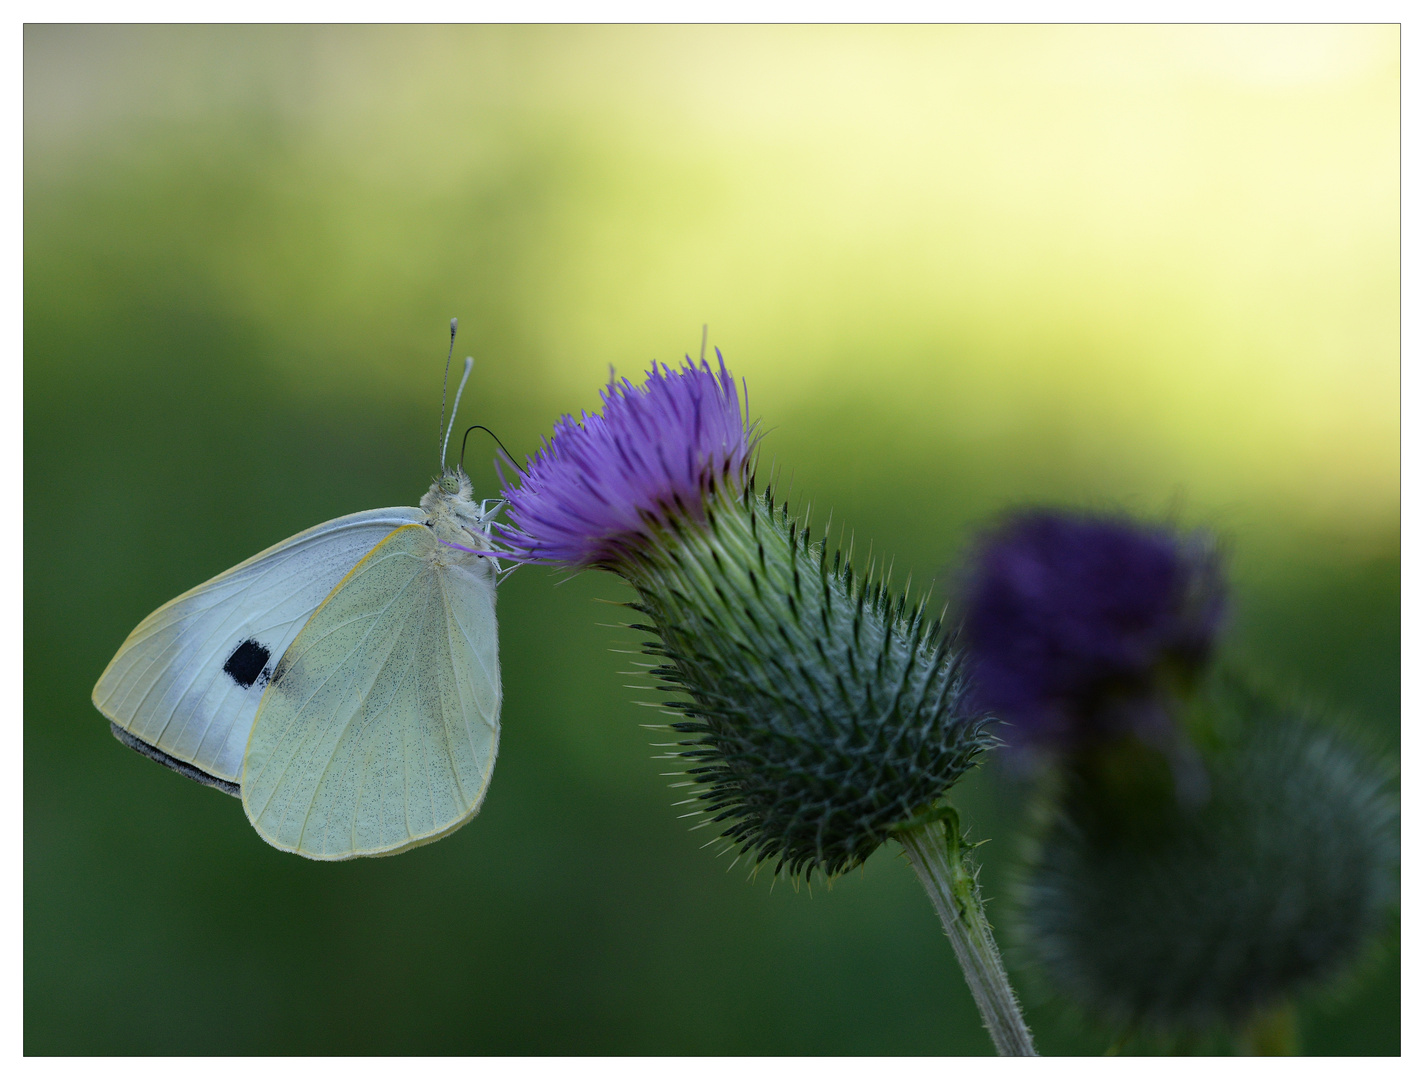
(1077, 624)
(1172, 917)
(822, 712)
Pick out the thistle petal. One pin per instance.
(591, 492)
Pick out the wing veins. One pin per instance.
(233, 583)
(253, 575)
(452, 615)
(235, 587)
(455, 679)
(308, 646)
(341, 738)
(489, 677)
(296, 713)
(311, 734)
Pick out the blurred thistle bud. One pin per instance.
(1077, 624)
(1174, 918)
(821, 711)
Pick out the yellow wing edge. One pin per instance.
(381, 853)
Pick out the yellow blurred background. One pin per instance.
(1178, 239)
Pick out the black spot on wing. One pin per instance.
(245, 664)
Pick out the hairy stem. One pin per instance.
(937, 853)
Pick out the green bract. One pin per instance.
(1176, 914)
(824, 711)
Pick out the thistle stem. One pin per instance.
(937, 853)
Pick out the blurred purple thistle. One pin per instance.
(1074, 621)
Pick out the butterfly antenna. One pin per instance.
(492, 435)
(454, 324)
(469, 365)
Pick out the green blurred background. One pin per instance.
(960, 268)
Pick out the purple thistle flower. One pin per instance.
(821, 712)
(1074, 621)
(592, 492)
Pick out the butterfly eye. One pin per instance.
(450, 482)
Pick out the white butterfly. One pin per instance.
(343, 683)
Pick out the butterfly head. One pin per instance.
(452, 488)
(452, 511)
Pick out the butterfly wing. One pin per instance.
(184, 688)
(379, 729)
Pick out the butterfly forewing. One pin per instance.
(379, 729)
(189, 678)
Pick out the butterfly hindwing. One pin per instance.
(185, 687)
(379, 728)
